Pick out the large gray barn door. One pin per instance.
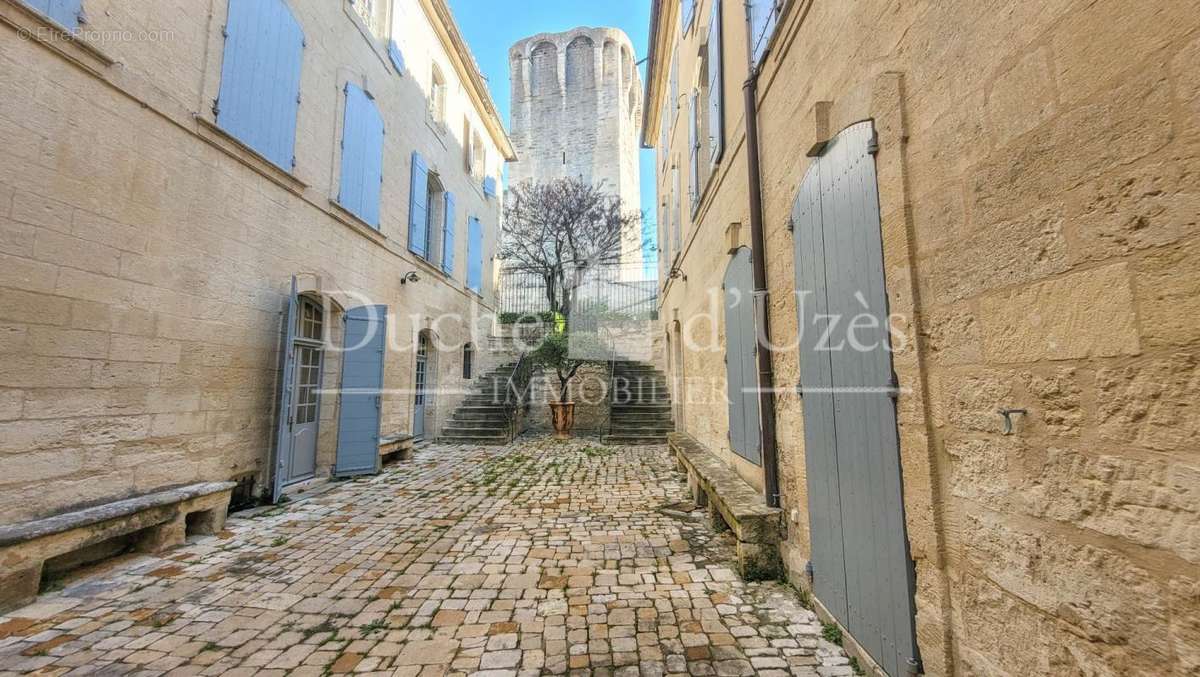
(362, 391)
(862, 570)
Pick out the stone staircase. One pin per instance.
(483, 417)
(640, 411)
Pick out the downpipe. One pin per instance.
(758, 253)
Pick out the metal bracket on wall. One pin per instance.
(1007, 414)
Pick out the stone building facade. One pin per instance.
(1035, 171)
(577, 112)
(149, 235)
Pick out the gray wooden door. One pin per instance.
(741, 371)
(862, 570)
(362, 391)
(420, 382)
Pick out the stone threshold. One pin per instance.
(733, 504)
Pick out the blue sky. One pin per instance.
(491, 28)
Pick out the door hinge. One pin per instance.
(800, 390)
(216, 107)
(893, 387)
(873, 143)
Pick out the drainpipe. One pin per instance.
(758, 253)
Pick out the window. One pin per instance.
(474, 255)
(260, 78)
(372, 13)
(431, 228)
(764, 14)
(478, 156)
(687, 11)
(437, 97)
(66, 13)
(468, 361)
(362, 156)
(473, 151)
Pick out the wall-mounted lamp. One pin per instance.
(410, 276)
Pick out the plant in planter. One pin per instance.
(565, 355)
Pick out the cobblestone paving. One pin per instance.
(542, 557)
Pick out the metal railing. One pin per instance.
(516, 393)
(607, 291)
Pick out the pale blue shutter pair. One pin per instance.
(260, 78)
(418, 216)
(362, 156)
(66, 13)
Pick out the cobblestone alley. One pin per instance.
(542, 557)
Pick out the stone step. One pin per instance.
(456, 432)
(477, 424)
(633, 441)
(638, 407)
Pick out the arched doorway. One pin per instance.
(424, 382)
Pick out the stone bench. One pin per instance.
(732, 503)
(148, 523)
(399, 445)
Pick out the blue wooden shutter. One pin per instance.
(448, 227)
(763, 15)
(396, 57)
(716, 87)
(362, 391)
(64, 12)
(474, 255)
(260, 78)
(693, 151)
(418, 208)
(362, 156)
(489, 186)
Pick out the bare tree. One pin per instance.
(556, 230)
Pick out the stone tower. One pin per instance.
(577, 111)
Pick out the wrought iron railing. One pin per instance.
(516, 393)
(609, 291)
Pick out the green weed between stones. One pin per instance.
(832, 633)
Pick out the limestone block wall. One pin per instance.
(1036, 181)
(145, 257)
(576, 112)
